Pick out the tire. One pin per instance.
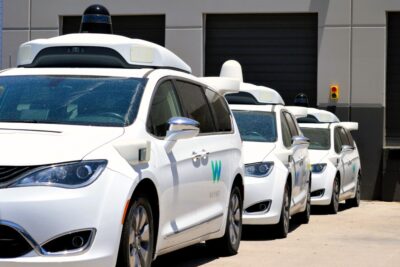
(304, 217)
(137, 240)
(228, 245)
(282, 228)
(355, 202)
(334, 205)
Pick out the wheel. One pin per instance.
(282, 228)
(304, 217)
(334, 205)
(137, 240)
(355, 202)
(228, 245)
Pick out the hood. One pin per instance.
(37, 144)
(256, 151)
(316, 156)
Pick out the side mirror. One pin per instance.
(347, 148)
(300, 140)
(180, 128)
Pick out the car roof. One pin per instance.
(97, 50)
(315, 125)
(266, 108)
(104, 72)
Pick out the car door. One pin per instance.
(341, 167)
(349, 160)
(355, 161)
(299, 153)
(182, 178)
(201, 171)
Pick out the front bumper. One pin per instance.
(323, 181)
(47, 212)
(258, 190)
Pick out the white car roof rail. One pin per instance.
(349, 125)
(82, 49)
(323, 116)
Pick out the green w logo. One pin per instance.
(216, 166)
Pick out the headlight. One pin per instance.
(318, 168)
(259, 169)
(67, 175)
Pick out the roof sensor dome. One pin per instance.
(96, 19)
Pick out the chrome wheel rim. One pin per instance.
(336, 194)
(234, 219)
(308, 202)
(358, 196)
(139, 238)
(286, 208)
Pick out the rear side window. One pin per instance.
(338, 141)
(350, 137)
(195, 105)
(292, 125)
(221, 111)
(344, 138)
(286, 136)
(164, 106)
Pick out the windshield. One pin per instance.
(319, 138)
(76, 100)
(256, 126)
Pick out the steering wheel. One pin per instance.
(113, 115)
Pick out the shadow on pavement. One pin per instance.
(192, 256)
(321, 210)
(264, 232)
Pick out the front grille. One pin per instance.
(12, 244)
(9, 173)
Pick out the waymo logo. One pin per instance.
(216, 166)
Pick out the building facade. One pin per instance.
(292, 46)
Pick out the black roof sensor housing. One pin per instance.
(96, 19)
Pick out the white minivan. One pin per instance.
(112, 152)
(277, 164)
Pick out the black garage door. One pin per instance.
(275, 50)
(393, 80)
(147, 27)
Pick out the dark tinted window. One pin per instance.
(195, 105)
(164, 106)
(81, 100)
(344, 138)
(338, 141)
(286, 136)
(221, 111)
(319, 138)
(256, 126)
(350, 137)
(292, 125)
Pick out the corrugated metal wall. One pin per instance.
(275, 50)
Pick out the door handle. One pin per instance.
(195, 156)
(204, 154)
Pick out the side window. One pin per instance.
(221, 111)
(292, 125)
(195, 105)
(350, 137)
(338, 141)
(344, 138)
(164, 105)
(286, 136)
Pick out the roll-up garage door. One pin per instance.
(147, 27)
(393, 80)
(275, 50)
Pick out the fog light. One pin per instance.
(70, 243)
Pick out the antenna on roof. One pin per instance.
(232, 69)
(96, 19)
